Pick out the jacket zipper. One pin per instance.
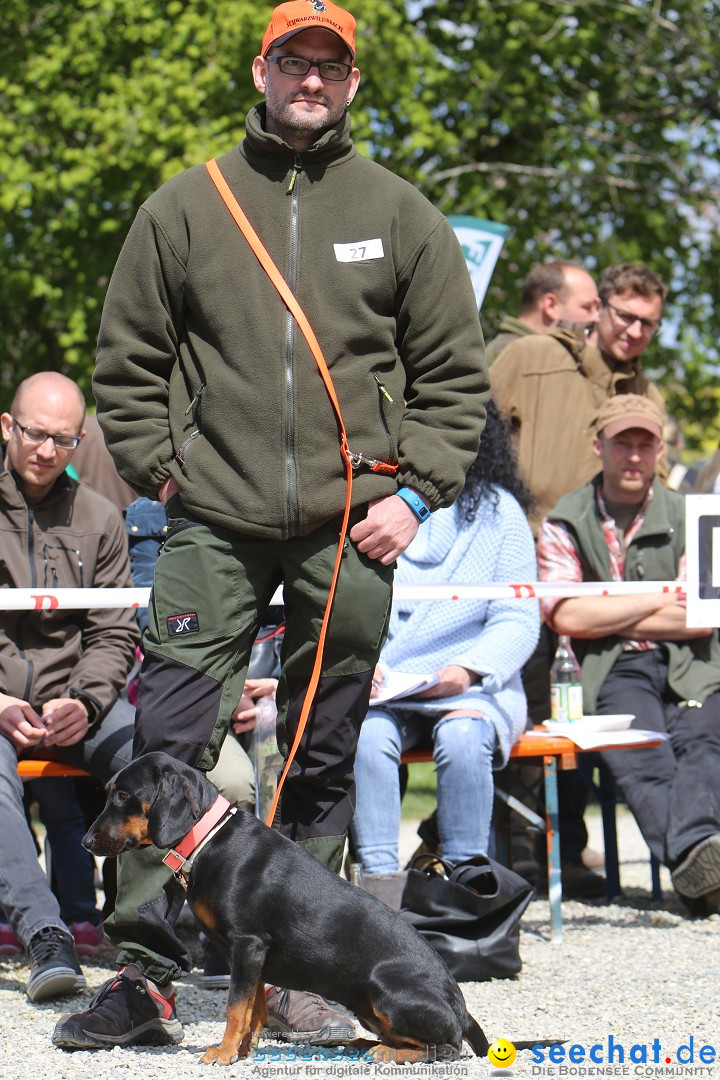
(33, 582)
(180, 453)
(195, 403)
(290, 469)
(192, 408)
(383, 393)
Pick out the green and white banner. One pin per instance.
(481, 242)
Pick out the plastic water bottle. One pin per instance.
(566, 697)
(265, 756)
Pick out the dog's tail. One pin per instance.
(475, 1035)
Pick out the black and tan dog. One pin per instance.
(284, 918)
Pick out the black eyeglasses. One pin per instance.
(332, 70)
(627, 319)
(35, 435)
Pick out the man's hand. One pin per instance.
(168, 489)
(453, 680)
(20, 723)
(65, 720)
(244, 717)
(387, 530)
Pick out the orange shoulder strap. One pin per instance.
(291, 302)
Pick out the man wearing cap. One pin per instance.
(211, 400)
(636, 652)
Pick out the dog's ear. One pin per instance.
(180, 800)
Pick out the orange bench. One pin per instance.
(35, 769)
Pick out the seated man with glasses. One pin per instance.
(60, 670)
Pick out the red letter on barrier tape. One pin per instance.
(39, 599)
(523, 591)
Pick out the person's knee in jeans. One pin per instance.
(463, 750)
(376, 823)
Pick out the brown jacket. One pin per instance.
(509, 331)
(551, 387)
(95, 467)
(72, 538)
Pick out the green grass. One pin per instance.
(421, 796)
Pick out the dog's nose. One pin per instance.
(88, 839)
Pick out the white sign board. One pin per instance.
(702, 549)
(481, 242)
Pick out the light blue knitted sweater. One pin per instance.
(491, 637)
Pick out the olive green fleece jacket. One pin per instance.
(202, 375)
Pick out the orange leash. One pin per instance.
(350, 460)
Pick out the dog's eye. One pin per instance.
(121, 796)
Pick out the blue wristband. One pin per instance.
(418, 507)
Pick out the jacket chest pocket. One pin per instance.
(62, 567)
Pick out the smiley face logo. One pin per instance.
(501, 1053)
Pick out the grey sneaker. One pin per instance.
(54, 966)
(298, 1016)
(699, 872)
(128, 1010)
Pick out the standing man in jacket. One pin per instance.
(60, 671)
(551, 293)
(211, 400)
(637, 653)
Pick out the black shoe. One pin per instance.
(579, 883)
(128, 1010)
(54, 966)
(216, 968)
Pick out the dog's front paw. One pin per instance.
(215, 1055)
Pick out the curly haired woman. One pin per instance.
(477, 709)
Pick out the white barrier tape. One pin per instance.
(53, 599)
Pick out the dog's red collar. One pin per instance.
(179, 858)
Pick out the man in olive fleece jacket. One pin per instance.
(210, 399)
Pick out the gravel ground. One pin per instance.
(636, 973)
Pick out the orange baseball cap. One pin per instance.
(298, 15)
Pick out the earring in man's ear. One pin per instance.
(348, 103)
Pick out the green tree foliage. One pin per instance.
(591, 128)
(100, 101)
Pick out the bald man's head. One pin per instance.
(46, 404)
(45, 385)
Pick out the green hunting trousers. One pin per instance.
(210, 591)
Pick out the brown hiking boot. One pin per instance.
(297, 1016)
